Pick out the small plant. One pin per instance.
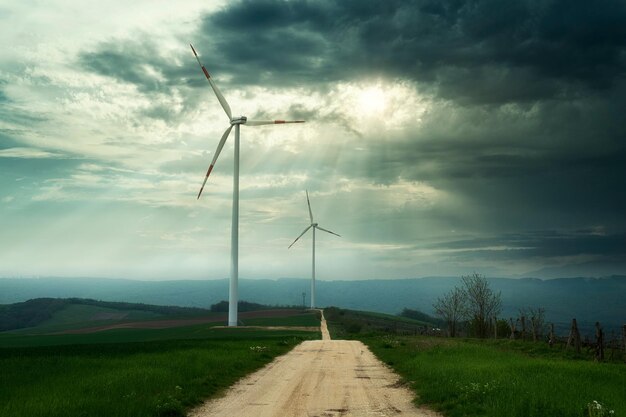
(476, 389)
(597, 409)
(390, 342)
(169, 407)
(258, 349)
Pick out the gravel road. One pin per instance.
(321, 378)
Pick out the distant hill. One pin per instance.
(587, 299)
(66, 312)
(59, 314)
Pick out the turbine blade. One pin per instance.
(271, 122)
(328, 231)
(217, 153)
(301, 234)
(216, 90)
(309, 204)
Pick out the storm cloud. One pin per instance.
(498, 142)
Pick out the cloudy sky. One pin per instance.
(442, 137)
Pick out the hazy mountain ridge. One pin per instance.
(587, 299)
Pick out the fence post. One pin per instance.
(599, 343)
(574, 337)
(495, 327)
(513, 329)
(624, 337)
(523, 328)
(551, 340)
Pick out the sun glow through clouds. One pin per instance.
(372, 100)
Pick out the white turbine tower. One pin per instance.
(313, 226)
(236, 122)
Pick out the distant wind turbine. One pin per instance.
(314, 226)
(236, 122)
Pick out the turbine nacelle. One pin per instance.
(241, 120)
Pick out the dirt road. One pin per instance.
(321, 378)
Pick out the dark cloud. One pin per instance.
(549, 243)
(135, 63)
(589, 253)
(476, 51)
(483, 51)
(525, 129)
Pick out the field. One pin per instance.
(344, 324)
(135, 372)
(471, 377)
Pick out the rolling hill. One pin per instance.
(587, 299)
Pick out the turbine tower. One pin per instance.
(236, 122)
(313, 226)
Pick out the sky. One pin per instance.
(442, 138)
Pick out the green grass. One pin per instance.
(391, 317)
(80, 313)
(76, 316)
(474, 378)
(305, 319)
(198, 331)
(350, 324)
(107, 375)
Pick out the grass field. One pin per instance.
(134, 372)
(199, 331)
(305, 320)
(478, 378)
(346, 324)
(78, 316)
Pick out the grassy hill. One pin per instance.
(53, 315)
(345, 324)
(586, 299)
(50, 314)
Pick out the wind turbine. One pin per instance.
(236, 122)
(313, 226)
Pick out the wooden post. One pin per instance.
(533, 323)
(551, 340)
(574, 337)
(513, 328)
(624, 337)
(599, 343)
(495, 327)
(523, 328)
(613, 344)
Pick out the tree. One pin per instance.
(450, 307)
(481, 303)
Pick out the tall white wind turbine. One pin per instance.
(313, 226)
(236, 122)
